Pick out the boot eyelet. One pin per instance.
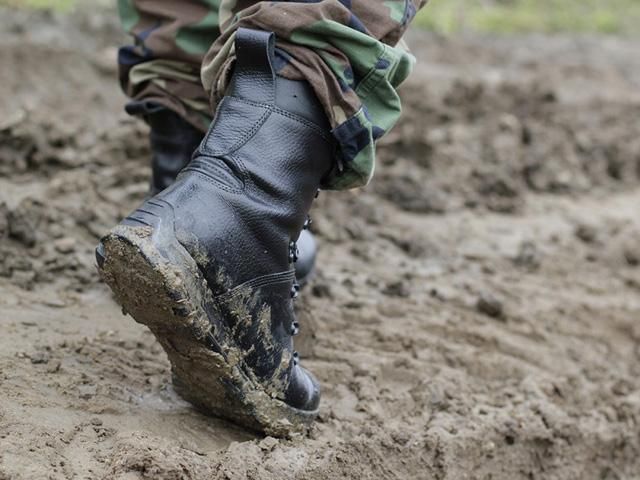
(295, 290)
(293, 252)
(295, 329)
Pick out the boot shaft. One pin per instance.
(270, 137)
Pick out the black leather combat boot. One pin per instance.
(207, 264)
(173, 141)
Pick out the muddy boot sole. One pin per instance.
(160, 285)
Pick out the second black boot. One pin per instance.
(207, 264)
(173, 141)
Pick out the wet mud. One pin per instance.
(475, 312)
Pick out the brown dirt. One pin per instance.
(476, 312)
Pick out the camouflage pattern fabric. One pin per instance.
(350, 51)
(170, 41)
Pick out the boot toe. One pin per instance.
(304, 390)
(307, 250)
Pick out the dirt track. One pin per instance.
(475, 316)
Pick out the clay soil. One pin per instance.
(476, 314)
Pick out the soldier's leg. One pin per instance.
(348, 51)
(208, 263)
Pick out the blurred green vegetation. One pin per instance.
(60, 5)
(496, 16)
(545, 16)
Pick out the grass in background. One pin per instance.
(494, 16)
(545, 16)
(58, 5)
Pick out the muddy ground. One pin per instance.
(476, 313)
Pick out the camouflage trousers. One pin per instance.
(350, 51)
